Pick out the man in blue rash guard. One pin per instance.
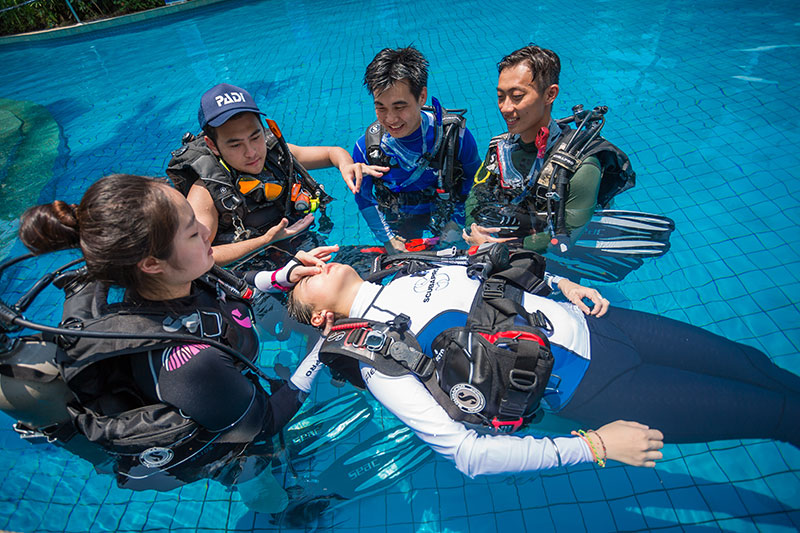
(416, 192)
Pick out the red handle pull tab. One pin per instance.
(418, 245)
(506, 426)
(541, 141)
(273, 127)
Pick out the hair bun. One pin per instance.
(50, 227)
(66, 213)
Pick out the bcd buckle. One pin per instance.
(357, 337)
(375, 340)
(399, 322)
(540, 320)
(524, 380)
(414, 360)
(506, 426)
(493, 288)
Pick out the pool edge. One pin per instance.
(87, 27)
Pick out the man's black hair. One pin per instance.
(391, 66)
(211, 131)
(544, 64)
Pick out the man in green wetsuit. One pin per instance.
(526, 90)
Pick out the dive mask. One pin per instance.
(259, 190)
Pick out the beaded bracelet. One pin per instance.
(601, 461)
(603, 444)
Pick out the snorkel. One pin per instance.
(437, 143)
(307, 196)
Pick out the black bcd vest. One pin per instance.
(194, 160)
(493, 371)
(144, 438)
(617, 176)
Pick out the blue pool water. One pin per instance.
(703, 97)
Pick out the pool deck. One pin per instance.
(85, 27)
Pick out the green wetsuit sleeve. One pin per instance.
(472, 199)
(581, 202)
(478, 190)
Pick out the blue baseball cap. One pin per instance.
(223, 101)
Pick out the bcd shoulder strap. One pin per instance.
(193, 161)
(388, 347)
(452, 122)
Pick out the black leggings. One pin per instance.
(692, 385)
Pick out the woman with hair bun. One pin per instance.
(167, 411)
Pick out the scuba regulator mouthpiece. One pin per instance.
(303, 201)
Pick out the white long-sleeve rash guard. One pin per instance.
(422, 298)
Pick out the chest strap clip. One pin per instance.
(399, 323)
(493, 288)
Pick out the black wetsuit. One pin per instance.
(208, 386)
(689, 383)
(122, 386)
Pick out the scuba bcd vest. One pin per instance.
(541, 204)
(238, 212)
(442, 159)
(92, 376)
(493, 371)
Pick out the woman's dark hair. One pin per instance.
(301, 312)
(121, 220)
(544, 64)
(391, 66)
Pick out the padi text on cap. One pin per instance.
(223, 101)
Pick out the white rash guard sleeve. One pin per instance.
(276, 280)
(473, 453)
(308, 369)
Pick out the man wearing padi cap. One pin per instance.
(244, 182)
(431, 155)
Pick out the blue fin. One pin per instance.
(614, 244)
(326, 422)
(580, 264)
(375, 464)
(370, 467)
(634, 230)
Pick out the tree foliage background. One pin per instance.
(46, 14)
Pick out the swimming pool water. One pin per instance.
(703, 96)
